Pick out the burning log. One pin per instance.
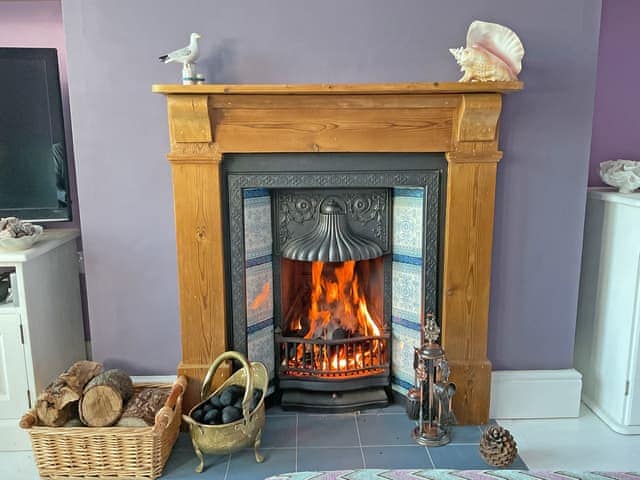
(340, 334)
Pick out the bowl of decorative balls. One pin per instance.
(16, 234)
(232, 417)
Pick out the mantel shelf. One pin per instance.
(337, 89)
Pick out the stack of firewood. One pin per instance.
(88, 395)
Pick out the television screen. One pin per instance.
(34, 183)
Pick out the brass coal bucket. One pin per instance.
(243, 433)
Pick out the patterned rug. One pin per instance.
(376, 474)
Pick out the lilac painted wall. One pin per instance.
(615, 125)
(39, 24)
(121, 140)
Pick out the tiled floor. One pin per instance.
(381, 439)
(301, 442)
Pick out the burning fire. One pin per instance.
(336, 311)
(338, 304)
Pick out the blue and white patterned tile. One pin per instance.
(408, 218)
(258, 238)
(406, 297)
(260, 345)
(407, 273)
(404, 340)
(259, 293)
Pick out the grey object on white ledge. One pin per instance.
(622, 174)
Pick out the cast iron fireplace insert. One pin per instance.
(332, 256)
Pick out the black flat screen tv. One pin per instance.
(34, 180)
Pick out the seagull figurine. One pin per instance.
(188, 54)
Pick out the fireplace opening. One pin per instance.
(333, 334)
(368, 226)
(333, 319)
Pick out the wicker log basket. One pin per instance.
(243, 433)
(109, 452)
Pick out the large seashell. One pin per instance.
(493, 53)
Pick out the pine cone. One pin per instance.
(497, 446)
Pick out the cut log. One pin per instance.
(58, 403)
(104, 398)
(142, 408)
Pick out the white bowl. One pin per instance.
(622, 174)
(22, 243)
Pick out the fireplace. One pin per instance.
(208, 124)
(330, 270)
(333, 334)
(333, 326)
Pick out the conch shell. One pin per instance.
(493, 53)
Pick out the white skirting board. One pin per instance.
(535, 394)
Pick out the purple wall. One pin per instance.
(615, 125)
(39, 24)
(121, 140)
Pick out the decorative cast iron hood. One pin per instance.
(331, 240)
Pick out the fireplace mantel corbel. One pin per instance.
(458, 119)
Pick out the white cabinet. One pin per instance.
(13, 372)
(41, 332)
(608, 324)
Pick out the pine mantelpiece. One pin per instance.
(342, 89)
(457, 119)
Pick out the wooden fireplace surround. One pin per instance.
(458, 119)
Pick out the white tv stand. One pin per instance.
(41, 332)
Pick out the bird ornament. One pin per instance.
(188, 54)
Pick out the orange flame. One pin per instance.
(338, 303)
(336, 308)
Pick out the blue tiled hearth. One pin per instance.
(302, 442)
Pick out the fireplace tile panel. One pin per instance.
(259, 279)
(406, 297)
(260, 347)
(403, 342)
(259, 276)
(407, 275)
(408, 215)
(257, 223)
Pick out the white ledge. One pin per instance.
(609, 194)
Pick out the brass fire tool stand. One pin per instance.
(430, 401)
